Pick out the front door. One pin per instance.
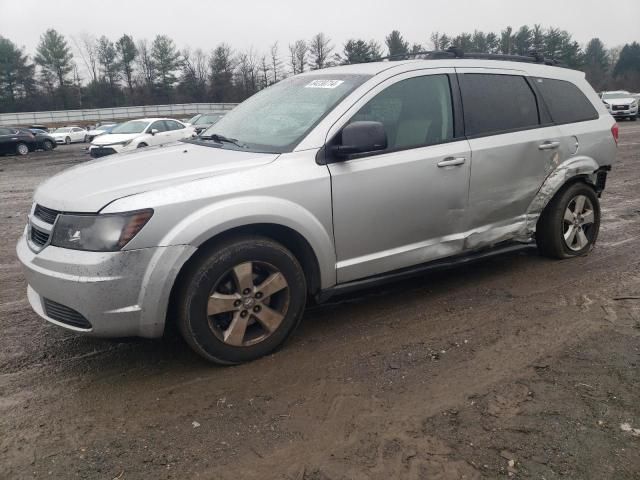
(405, 205)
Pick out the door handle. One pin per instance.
(451, 162)
(548, 146)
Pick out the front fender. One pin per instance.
(217, 218)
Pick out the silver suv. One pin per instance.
(324, 182)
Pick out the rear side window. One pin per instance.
(565, 101)
(497, 103)
(415, 112)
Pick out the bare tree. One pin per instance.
(276, 64)
(265, 69)
(87, 48)
(320, 49)
(247, 72)
(146, 65)
(298, 56)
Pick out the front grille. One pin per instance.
(101, 152)
(65, 314)
(39, 237)
(621, 107)
(45, 214)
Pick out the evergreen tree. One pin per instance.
(396, 44)
(127, 54)
(166, 59)
(54, 57)
(596, 63)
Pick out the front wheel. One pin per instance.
(22, 149)
(241, 300)
(142, 145)
(67, 141)
(569, 225)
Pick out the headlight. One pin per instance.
(634, 103)
(128, 142)
(607, 105)
(98, 233)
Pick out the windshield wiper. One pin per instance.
(222, 139)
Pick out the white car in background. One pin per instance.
(99, 130)
(69, 135)
(621, 104)
(145, 132)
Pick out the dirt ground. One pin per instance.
(515, 367)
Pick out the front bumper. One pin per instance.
(120, 294)
(630, 112)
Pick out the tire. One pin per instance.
(222, 310)
(142, 145)
(22, 149)
(67, 141)
(633, 119)
(569, 225)
(47, 145)
(85, 139)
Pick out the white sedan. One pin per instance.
(146, 132)
(69, 135)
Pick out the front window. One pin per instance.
(131, 127)
(277, 118)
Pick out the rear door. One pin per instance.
(405, 205)
(514, 147)
(176, 130)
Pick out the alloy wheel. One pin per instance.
(22, 149)
(578, 222)
(248, 303)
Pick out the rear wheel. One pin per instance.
(22, 149)
(569, 225)
(85, 139)
(241, 300)
(47, 145)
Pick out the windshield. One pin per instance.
(207, 119)
(615, 95)
(62, 130)
(135, 126)
(194, 118)
(277, 118)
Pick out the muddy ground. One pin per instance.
(517, 367)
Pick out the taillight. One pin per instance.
(615, 131)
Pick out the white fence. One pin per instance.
(118, 113)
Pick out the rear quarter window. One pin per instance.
(496, 103)
(565, 101)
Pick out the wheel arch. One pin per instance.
(296, 243)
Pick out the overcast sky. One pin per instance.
(243, 24)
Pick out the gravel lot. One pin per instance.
(516, 367)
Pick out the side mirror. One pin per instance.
(361, 137)
(154, 131)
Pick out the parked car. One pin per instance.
(38, 126)
(44, 141)
(16, 140)
(69, 135)
(205, 120)
(145, 132)
(100, 130)
(193, 119)
(323, 183)
(621, 104)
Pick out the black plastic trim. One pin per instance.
(409, 272)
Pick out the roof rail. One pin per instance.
(455, 52)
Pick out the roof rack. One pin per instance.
(456, 53)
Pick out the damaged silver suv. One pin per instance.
(327, 181)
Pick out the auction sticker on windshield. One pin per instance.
(323, 84)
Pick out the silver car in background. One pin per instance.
(621, 104)
(325, 182)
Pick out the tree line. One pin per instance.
(90, 72)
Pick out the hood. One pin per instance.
(59, 134)
(96, 131)
(620, 101)
(109, 138)
(89, 187)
